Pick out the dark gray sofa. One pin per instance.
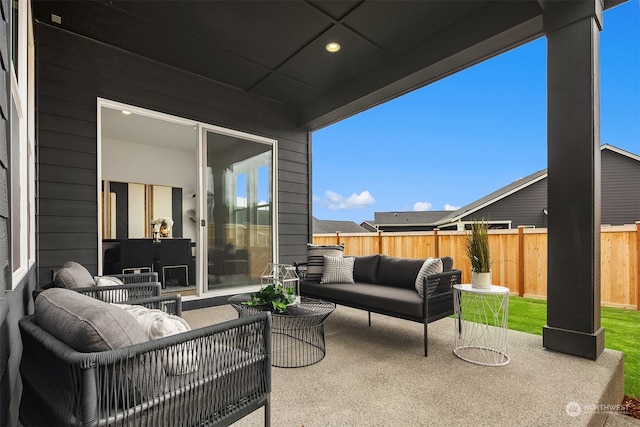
(386, 285)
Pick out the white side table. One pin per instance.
(481, 324)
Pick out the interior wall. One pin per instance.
(124, 161)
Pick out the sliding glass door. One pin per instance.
(238, 220)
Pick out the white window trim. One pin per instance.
(22, 95)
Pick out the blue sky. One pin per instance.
(456, 140)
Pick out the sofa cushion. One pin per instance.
(365, 268)
(84, 323)
(430, 267)
(73, 275)
(315, 260)
(365, 295)
(399, 272)
(337, 269)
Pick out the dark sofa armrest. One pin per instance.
(301, 269)
(438, 284)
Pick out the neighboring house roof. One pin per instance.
(512, 188)
(493, 197)
(410, 217)
(321, 226)
(443, 218)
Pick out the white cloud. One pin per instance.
(448, 207)
(422, 206)
(335, 201)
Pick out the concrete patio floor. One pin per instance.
(378, 376)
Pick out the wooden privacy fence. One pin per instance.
(519, 257)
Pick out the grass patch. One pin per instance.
(621, 326)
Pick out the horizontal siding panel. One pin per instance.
(294, 208)
(59, 90)
(69, 224)
(52, 241)
(63, 191)
(50, 156)
(286, 176)
(288, 229)
(55, 258)
(71, 208)
(289, 218)
(71, 126)
(66, 175)
(293, 187)
(63, 141)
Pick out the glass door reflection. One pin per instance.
(239, 200)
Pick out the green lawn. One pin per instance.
(622, 329)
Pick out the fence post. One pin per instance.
(436, 243)
(520, 260)
(380, 242)
(337, 237)
(638, 264)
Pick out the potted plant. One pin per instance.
(478, 253)
(274, 297)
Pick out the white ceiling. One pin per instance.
(148, 130)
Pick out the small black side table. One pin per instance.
(298, 335)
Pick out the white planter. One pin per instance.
(481, 280)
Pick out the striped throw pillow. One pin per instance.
(431, 266)
(337, 269)
(315, 260)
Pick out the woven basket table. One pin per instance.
(298, 335)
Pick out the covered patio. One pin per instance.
(375, 376)
(262, 68)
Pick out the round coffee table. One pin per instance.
(298, 335)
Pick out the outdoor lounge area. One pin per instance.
(379, 376)
(244, 85)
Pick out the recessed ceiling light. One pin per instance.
(126, 112)
(332, 47)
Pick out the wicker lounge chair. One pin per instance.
(209, 376)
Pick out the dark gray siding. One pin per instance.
(620, 189)
(71, 73)
(524, 207)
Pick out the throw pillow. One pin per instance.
(315, 260)
(84, 323)
(111, 295)
(337, 269)
(180, 358)
(73, 275)
(431, 266)
(365, 268)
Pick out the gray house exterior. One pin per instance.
(260, 68)
(524, 202)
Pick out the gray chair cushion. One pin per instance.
(84, 323)
(399, 272)
(365, 268)
(73, 275)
